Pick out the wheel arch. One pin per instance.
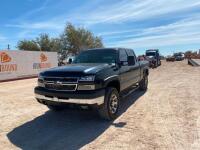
(115, 84)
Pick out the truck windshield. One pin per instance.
(150, 53)
(96, 56)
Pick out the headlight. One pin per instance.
(87, 78)
(41, 81)
(86, 87)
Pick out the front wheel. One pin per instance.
(110, 109)
(144, 83)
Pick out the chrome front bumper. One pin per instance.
(98, 100)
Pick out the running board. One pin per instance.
(130, 91)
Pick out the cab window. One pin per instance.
(131, 53)
(123, 56)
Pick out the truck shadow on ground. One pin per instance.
(70, 129)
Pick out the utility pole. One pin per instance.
(8, 46)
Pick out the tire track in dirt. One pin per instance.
(155, 120)
(165, 117)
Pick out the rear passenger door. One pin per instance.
(124, 69)
(134, 69)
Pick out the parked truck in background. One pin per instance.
(170, 58)
(96, 78)
(153, 56)
(179, 56)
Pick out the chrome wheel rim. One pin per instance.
(113, 105)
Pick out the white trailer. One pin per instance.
(16, 64)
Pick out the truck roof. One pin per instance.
(152, 50)
(114, 48)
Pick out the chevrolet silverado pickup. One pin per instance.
(96, 78)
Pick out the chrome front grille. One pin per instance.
(64, 79)
(61, 84)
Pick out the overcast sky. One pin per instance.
(138, 24)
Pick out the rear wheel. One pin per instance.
(144, 83)
(109, 110)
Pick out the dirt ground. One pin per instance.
(167, 116)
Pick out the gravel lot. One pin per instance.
(167, 116)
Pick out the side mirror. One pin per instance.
(131, 60)
(123, 63)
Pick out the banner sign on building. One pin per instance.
(23, 64)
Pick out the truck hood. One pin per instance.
(75, 69)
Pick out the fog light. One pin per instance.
(86, 87)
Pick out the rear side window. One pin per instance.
(123, 56)
(131, 53)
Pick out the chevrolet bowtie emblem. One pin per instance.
(58, 82)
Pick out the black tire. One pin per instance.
(55, 108)
(157, 64)
(110, 109)
(143, 85)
